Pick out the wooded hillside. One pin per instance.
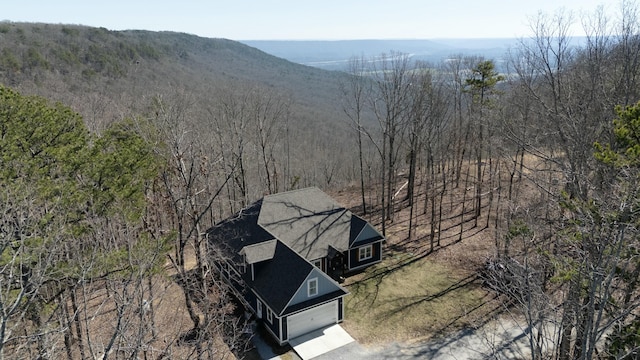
(144, 140)
(109, 75)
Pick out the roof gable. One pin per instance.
(259, 252)
(276, 281)
(362, 232)
(325, 285)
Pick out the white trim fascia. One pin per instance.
(269, 314)
(325, 275)
(259, 306)
(300, 287)
(371, 226)
(355, 240)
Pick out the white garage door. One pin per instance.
(312, 319)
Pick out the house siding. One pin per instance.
(376, 256)
(251, 299)
(273, 327)
(240, 291)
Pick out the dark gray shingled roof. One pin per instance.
(277, 281)
(277, 233)
(307, 220)
(239, 231)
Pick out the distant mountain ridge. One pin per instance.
(109, 75)
(69, 62)
(335, 54)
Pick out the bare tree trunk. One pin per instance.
(432, 192)
(411, 210)
(478, 189)
(66, 322)
(442, 193)
(413, 159)
(464, 202)
(362, 187)
(77, 322)
(354, 90)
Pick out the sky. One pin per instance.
(304, 19)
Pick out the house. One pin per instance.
(284, 253)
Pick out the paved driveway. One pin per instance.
(498, 340)
(320, 342)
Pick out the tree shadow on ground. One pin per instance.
(398, 256)
(417, 300)
(469, 343)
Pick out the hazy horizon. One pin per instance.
(291, 20)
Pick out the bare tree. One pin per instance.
(425, 129)
(231, 117)
(268, 113)
(354, 93)
(389, 97)
(193, 182)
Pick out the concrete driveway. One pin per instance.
(320, 342)
(306, 347)
(505, 339)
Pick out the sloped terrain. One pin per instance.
(106, 74)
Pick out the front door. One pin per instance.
(336, 267)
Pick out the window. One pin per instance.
(269, 315)
(312, 287)
(318, 263)
(365, 253)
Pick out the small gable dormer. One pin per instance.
(362, 232)
(256, 253)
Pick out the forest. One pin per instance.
(120, 149)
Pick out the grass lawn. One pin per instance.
(411, 298)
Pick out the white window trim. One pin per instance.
(259, 309)
(269, 315)
(362, 253)
(317, 263)
(309, 288)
